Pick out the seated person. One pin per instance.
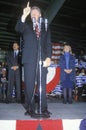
(83, 72)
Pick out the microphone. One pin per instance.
(46, 24)
(34, 23)
(40, 20)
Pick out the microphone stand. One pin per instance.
(40, 76)
(40, 64)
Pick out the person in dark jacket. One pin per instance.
(13, 63)
(30, 58)
(67, 65)
(3, 85)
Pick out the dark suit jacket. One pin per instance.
(13, 76)
(11, 61)
(71, 66)
(30, 50)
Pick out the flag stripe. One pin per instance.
(65, 124)
(7, 124)
(44, 125)
(56, 51)
(71, 124)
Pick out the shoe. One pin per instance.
(7, 101)
(18, 101)
(46, 114)
(64, 102)
(33, 114)
(40, 115)
(27, 113)
(43, 114)
(46, 111)
(70, 102)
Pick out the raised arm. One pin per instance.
(26, 12)
(20, 26)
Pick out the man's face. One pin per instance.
(35, 14)
(15, 46)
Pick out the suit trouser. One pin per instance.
(3, 88)
(31, 74)
(14, 80)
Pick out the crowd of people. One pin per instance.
(6, 73)
(80, 84)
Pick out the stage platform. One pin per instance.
(14, 111)
(65, 115)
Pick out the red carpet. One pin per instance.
(40, 124)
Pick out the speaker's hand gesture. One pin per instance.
(26, 10)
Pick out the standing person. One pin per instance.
(30, 57)
(3, 84)
(13, 62)
(67, 65)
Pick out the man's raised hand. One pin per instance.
(26, 10)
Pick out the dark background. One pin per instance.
(67, 19)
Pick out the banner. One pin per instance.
(43, 124)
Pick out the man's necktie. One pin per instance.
(37, 32)
(15, 53)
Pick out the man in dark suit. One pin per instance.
(13, 62)
(30, 58)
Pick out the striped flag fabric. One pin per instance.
(64, 124)
(57, 49)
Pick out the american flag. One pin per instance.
(57, 49)
(65, 124)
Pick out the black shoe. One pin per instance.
(64, 102)
(33, 114)
(27, 113)
(7, 101)
(46, 114)
(40, 115)
(18, 101)
(46, 111)
(70, 102)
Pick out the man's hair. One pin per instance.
(16, 42)
(37, 8)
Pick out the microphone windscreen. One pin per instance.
(40, 20)
(46, 21)
(33, 20)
